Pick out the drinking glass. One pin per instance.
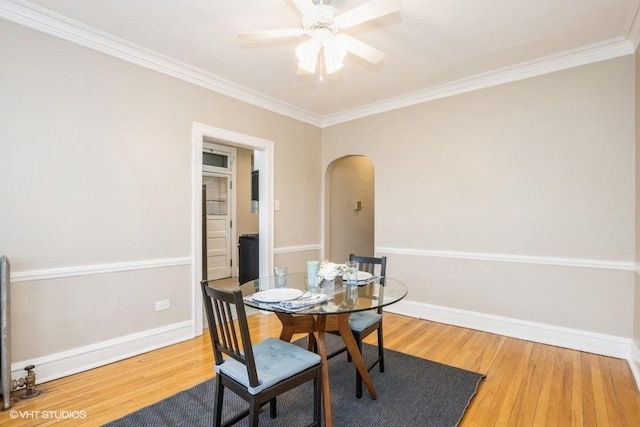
(312, 273)
(352, 271)
(281, 274)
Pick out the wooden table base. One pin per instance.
(316, 326)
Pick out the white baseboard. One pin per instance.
(607, 345)
(634, 363)
(81, 359)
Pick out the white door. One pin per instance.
(218, 203)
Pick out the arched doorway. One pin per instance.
(349, 208)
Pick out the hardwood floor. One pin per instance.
(526, 384)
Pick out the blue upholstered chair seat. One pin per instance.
(361, 320)
(276, 360)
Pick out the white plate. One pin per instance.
(277, 295)
(363, 275)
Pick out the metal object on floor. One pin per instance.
(5, 338)
(30, 383)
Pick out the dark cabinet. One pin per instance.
(248, 254)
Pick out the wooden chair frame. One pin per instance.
(368, 264)
(232, 338)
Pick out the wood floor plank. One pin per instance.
(609, 393)
(587, 395)
(560, 398)
(489, 348)
(625, 387)
(577, 411)
(546, 375)
(564, 359)
(524, 392)
(419, 340)
(525, 384)
(496, 384)
(599, 399)
(528, 401)
(466, 350)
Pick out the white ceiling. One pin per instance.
(433, 47)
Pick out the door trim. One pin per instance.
(198, 132)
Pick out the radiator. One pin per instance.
(5, 342)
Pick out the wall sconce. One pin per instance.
(357, 206)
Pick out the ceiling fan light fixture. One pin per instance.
(322, 23)
(334, 54)
(307, 54)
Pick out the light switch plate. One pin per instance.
(163, 305)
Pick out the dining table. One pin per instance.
(311, 308)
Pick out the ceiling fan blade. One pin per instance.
(363, 50)
(307, 9)
(271, 34)
(368, 11)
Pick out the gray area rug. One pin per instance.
(412, 392)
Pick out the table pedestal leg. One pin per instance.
(294, 324)
(317, 325)
(322, 351)
(356, 356)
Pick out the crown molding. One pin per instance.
(609, 49)
(632, 29)
(43, 20)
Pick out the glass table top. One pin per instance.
(335, 297)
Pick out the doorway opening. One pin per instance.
(219, 178)
(349, 208)
(200, 134)
(219, 217)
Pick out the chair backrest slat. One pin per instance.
(225, 327)
(233, 335)
(369, 264)
(229, 337)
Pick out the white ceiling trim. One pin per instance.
(633, 25)
(57, 25)
(573, 58)
(60, 26)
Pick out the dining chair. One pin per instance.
(257, 373)
(363, 323)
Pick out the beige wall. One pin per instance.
(95, 168)
(542, 168)
(247, 220)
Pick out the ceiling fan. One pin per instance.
(322, 24)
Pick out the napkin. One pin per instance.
(367, 281)
(302, 303)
